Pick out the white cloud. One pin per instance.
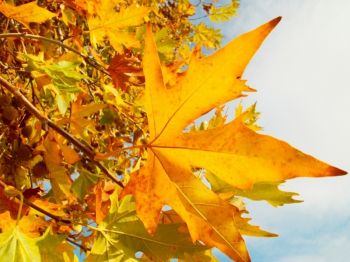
(302, 74)
(329, 249)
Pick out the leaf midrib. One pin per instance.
(145, 238)
(200, 213)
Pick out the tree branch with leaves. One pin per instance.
(100, 150)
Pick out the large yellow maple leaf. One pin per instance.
(115, 25)
(233, 152)
(26, 13)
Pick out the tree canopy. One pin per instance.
(101, 156)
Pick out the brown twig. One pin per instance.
(86, 58)
(77, 143)
(37, 208)
(47, 213)
(78, 245)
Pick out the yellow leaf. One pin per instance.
(115, 28)
(6, 221)
(112, 95)
(249, 230)
(249, 116)
(79, 121)
(268, 191)
(27, 13)
(31, 225)
(208, 217)
(53, 208)
(8, 204)
(235, 153)
(69, 154)
(58, 175)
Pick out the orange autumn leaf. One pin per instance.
(6, 221)
(46, 205)
(121, 69)
(60, 180)
(26, 13)
(7, 204)
(115, 28)
(69, 154)
(233, 152)
(99, 202)
(79, 120)
(31, 225)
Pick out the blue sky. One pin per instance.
(302, 75)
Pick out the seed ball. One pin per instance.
(40, 169)
(27, 131)
(9, 113)
(24, 152)
(5, 100)
(16, 102)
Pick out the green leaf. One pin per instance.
(165, 44)
(64, 76)
(107, 117)
(267, 191)
(16, 246)
(54, 248)
(22, 178)
(223, 13)
(62, 103)
(83, 183)
(122, 234)
(206, 36)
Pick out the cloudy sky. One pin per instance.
(302, 74)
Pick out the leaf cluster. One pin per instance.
(99, 150)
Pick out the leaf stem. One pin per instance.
(47, 213)
(77, 143)
(85, 249)
(86, 58)
(20, 208)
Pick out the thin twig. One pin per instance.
(37, 208)
(47, 213)
(197, 18)
(78, 245)
(21, 199)
(87, 59)
(79, 145)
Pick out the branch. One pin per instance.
(79, 145)
(87, 59)
(85, 249)
(47, 213)
(37, 208)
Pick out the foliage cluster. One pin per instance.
(99, 150)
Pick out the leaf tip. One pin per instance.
(334, 171)
(275, 21)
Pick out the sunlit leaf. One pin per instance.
(122, 234)
(223, 13)
(235, 153)
(17, 246)
(116, 27)
(267, 191)
(54, 248)
(83, 183)
(26, 13)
